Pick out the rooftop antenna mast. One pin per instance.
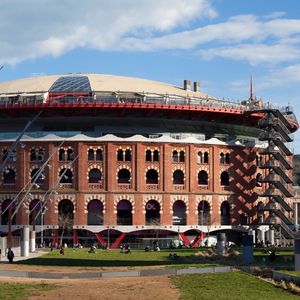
(251, 88)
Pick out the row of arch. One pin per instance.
(123, 176)
(124, 211)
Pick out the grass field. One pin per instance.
(189, 257)
(10, 291)
(228, 286)
(232, 285)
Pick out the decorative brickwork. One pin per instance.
(208, 199)
(183, 198)
(130, 198)
(63, 197)
(88, 198)
(157, 198)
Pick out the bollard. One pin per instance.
(248, 249)
(221, 243)
(25, 241)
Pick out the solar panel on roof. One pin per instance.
(71, 84)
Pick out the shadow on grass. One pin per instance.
(66, 262)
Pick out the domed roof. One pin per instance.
(85, 83)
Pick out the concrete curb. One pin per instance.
(114, 274)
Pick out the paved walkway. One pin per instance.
(4, 260)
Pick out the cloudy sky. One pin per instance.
(216, 42)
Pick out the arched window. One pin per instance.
(178, 177)
(37, 205)
(244, 219)
(148, 155)
(224, 178)
(199, 157)
(124, 176)
(61, 154)
(33, 155)
(40, 179)
(120, 155)
(95, 176)
(258, 180)
(99, 155)
(222, 158)
(227, 158)
(95, 212)
(124, 213)
(68, 176)
(181, 156)
(206, 157)
(91, 155)
(70, 154)
(155, 155)
(41, 154)
(65, 214)
(225, 213)
(179, 213)
(202, 178)
(175, 156)
(152, 177)
(9, 176)
(127, 155)
(203, 213)
(152, 213)
(260, 213)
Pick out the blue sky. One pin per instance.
(216, 42)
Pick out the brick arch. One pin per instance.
(152, 149)
(124, 167)
(202, 150)
(94, 148)
(153, 197)
(63, 197)
(12, 167)
(181, 168)
(229, 200)
(124, 148)
(203, 168)
(7, 197)
(183, 199)
(29, 200)
(94, 166)
(94, 197)
(154, 168)
(203, 198)
(65, 167)
(33, 168)
(124, 197)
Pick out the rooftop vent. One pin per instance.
(196, 86)
(187, 85)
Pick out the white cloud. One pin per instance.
(254, 53)
(52, 27)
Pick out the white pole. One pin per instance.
(42, 228)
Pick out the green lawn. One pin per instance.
(189, 257)
(10, 291)
(113, 258)
(227, 286)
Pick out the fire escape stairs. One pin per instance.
(278, 165)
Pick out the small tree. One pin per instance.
(155, 224)
(65, 223)
(209, 221)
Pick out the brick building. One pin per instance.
(148, 160)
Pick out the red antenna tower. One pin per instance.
(251, 88)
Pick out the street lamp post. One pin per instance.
(202, 213)
(42, 231)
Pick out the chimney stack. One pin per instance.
(187, 85)
(196, 86)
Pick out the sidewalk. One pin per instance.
(4, 260)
